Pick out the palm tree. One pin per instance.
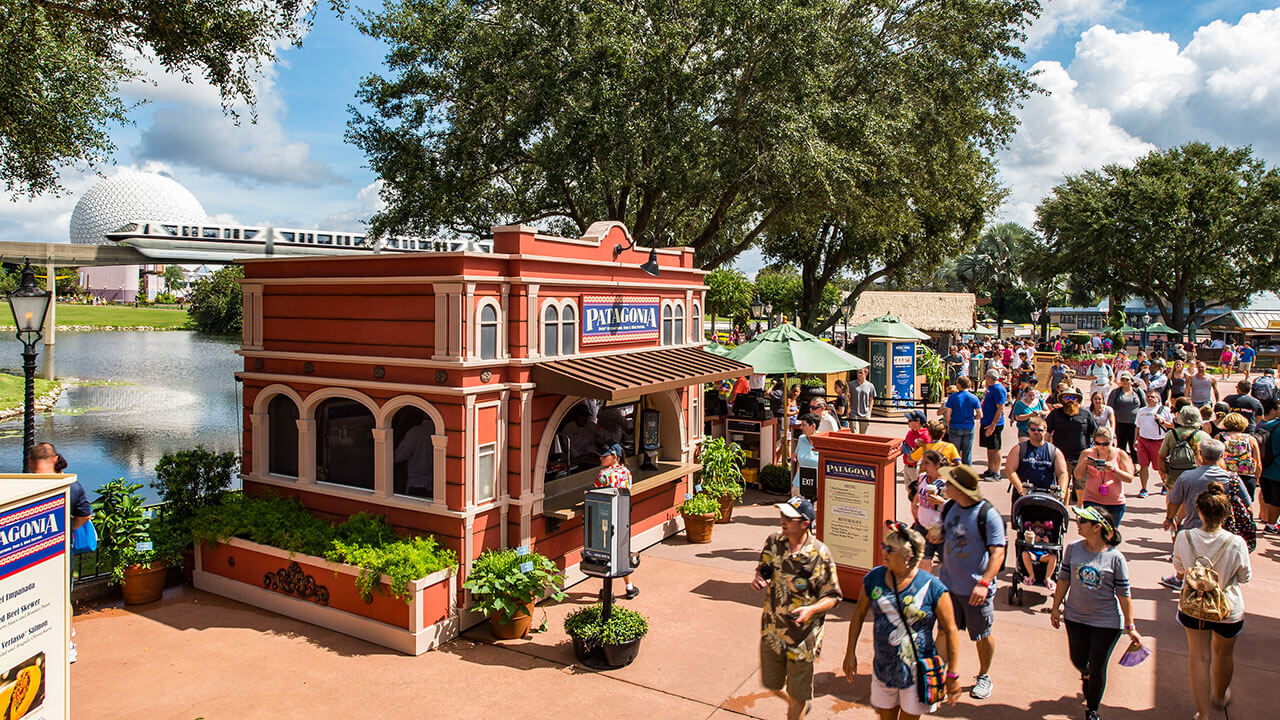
(993, 268)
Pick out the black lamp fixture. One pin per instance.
(29, 305)
(650, 266)
(757, 308)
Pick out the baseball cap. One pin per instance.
(609, 449)
(915, 415)
(797, 507)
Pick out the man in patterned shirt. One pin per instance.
(800, 576)
(615, 475)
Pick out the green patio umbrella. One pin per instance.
(1128, 329)
(888, 326)
(716, 348)
(788, 350)
(1159, 327)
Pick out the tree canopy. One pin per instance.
(216, 302)
(708, 124)
(1190, 228)
(65, 61)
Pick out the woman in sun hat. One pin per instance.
(1093, 580)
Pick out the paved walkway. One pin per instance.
(197, 655)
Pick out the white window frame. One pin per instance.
(544, 324)
(668, 323)
(571, 324)
(695, 323)
(498, 349)
(491, 450)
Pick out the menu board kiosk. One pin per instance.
(856, 494)
(35, 595)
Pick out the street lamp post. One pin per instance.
(768, 311)
(1146, 320)
(29, 304)
(1035, 320)
(847, 307)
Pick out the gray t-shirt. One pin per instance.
(1125, 405)
(965, 553)
(861, 396)
(1201, 390)
(1189, 486)
(1097, 580)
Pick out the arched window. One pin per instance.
(677, 333)
(282, 436)
(551, 331)
(414, 460)
(695, 323)
(344, 443)
(488, 332)
(667, 329)
(568, 331)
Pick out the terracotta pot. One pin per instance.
(143, 583)
(517, 628)
(698, 527)
(726, 509)
(189, 566)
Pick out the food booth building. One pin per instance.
(463, 394)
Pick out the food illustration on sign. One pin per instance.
(22, 688)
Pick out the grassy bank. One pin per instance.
(12, 390)
(110, 316)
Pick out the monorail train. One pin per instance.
(223, 243)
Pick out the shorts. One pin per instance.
(1149, 453)
(1039, 555)
(1270, 492)
(911, 474)
(976, 620)
(992, 441)
(1225, 630)
(777, 672)
(1246, 367)
(1077, 484)
(931, 549)
(884, 697)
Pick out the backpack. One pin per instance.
(1262, 389)
(1202, 597)
(1183, 454)
(1240, 521)
(1263, 434)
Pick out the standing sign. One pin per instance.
(619, 318)
(904, 370)
(34, 597)
(849, 513)
(878, 354)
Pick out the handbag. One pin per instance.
(931, 672)
(84, 539)
(1201, 596)
(1240, 519)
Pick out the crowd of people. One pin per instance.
(1152, 422)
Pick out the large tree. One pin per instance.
(1190, 228)
(65, 60)
(706, 124)
(729, 294)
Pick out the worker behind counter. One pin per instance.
(584, 435)
(615, 475)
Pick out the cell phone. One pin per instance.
(765, 572)
(1099, 462)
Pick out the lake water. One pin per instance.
(145, 394)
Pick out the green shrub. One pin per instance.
(216, 302)
(498, 586)
(701, 504)
(624, 625)
(721, 474)
(775, 478)
(125, 527)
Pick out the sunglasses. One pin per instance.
(1083, 521)
(1035, 429)
(888, 549)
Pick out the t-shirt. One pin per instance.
(1071, 433)
(1272, 471)
(1103, 416)
(1097, 580)
(862, 396)
(1193, 482)
(80, 505)
(965, 553)
(1125, 405)
(1056, 374)
(1147, 419)
(929, 510)
(894, 662)
(1201, 389)
(806, 456)
(840, 405)
(1247, 354)
(913, 440)
(1101, 373)
(962, 405)
(615, 476)
(1022, 408)
(1248, 406)
(1229, 556)
(993, 405)
(946, 449)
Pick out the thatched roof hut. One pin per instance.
(932, 312)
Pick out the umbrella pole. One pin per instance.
(786, 422)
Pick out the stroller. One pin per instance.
(1036, 506)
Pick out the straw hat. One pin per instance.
(965, 479)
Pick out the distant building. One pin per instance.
(1094, 318)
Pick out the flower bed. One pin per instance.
(371, 584)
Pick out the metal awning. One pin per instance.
(625, 375)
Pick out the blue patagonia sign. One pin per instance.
(619, 318)
(32, 534)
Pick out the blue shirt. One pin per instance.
(993, 405)
(965, 554)
(1247, 354)
(893, 662)
(962, 405)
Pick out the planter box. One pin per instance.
(324, 593)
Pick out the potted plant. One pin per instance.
(138, 560)
(505, 585)
(721, 474)
(700, 512)
(611, 643)
(187, 481)
(775, 479)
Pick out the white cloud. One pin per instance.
(1131, 73)
(1060, 135)
(368, 201)
(1057, 16)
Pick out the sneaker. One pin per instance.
(1091, 715)
(1172, 582)
(1142, 493)
(632, 592)
(982, 688)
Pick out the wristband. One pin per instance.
(952, 676)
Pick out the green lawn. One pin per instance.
(12, 390)
(110, 316)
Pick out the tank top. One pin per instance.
(1239, 456)
(1035, 465)
(1101, 486)
(1177, 387)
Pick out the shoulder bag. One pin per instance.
(930, 672)
(84, 539)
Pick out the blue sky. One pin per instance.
(1123, 78)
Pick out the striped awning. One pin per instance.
(614, 376)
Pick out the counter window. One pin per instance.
(585, 427)
(414, 460)
(344, 443)
(282, 436)
(488, 332)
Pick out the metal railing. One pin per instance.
(95, 565)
